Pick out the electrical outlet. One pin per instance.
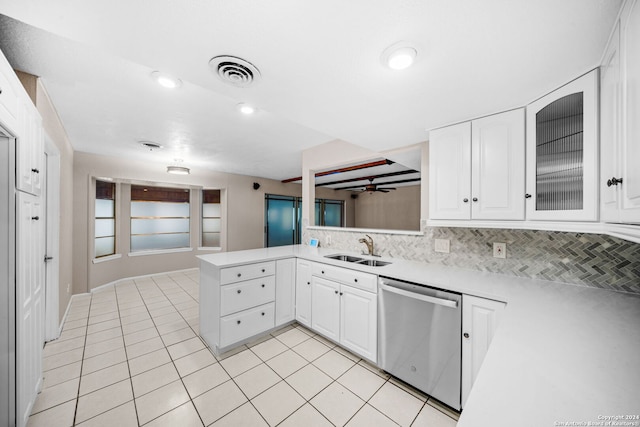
(499, 250)
(328, 240)
(442, 245)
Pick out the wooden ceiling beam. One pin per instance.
(345, 169)
(382, 175)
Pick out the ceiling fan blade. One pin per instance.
(386, 188)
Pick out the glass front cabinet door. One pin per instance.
(562, 150)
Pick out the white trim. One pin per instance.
(570, 227)
(115, 282)
(160, 252)
(106, 258)
(623, 231)
(210, 248)
(66, 312)
(367, 230)
(52, 268)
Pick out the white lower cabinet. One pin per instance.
(303, 292)
(344, 313)
(285, 295)
(480, 319)
(239, 302)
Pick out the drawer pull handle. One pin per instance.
(35, 218)
(355, 280)
(34, 170)
(322, 271)
(239, 274)
(238, 322)
(263, 313)
(308, 283)
(263, 270)
(239, 291)
(263, 285)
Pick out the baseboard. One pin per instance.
(66, 312)
(115, 282)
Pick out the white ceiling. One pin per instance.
(322, 78)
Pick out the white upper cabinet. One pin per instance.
(497, 166)
(476, 169)
(630, 138)
(610, 122)
(562, 153)
(450, 172)
(8, 95)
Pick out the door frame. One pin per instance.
(51, 190)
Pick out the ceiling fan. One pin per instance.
(371, 187)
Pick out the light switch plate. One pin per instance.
(442, 245)
(499, 250)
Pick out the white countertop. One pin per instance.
(562, 353)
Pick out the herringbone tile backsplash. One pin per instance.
(593, 260)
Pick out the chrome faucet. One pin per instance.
(369, 244)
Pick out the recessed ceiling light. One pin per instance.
(166, 80)
(399, 56)
(246, 108)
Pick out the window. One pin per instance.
(105, 225)
(159, 218)
(211, 218)
(282, 220)
(330, 213)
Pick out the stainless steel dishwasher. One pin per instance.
(419, 337)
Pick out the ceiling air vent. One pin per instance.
(234, 71)
(150, 145)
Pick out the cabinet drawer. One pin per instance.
(357, 279)
(250, 293)
(246, 272)
(236, 327)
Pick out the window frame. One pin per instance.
(113, 218)
(202, 218)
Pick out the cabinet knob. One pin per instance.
(355, 280)
(322, 271)
(263, 285)
(263, 313)
(465, 200)
(35, 218)
(308, 283)
(336, 292)
(263, 270)
(34, 170)
(614, 181)
(527, 196)
(239, 291)
(475, 199)
(239, 274)
(0, 91)
(340, 293)
(466, 335)
(238, 322)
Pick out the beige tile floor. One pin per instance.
(130, 355)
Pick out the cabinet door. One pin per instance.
(630, 56)
(285, 290)
(29, 302)
(610, 129)
(359, 322)
(562, 149)
(37, 153)
(480, 318)
(450, 172)
(24, 150)
(497, 166)
(325, 307)
(303, 292)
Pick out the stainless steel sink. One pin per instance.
(373, 262)
(358, 260)
(347, 258)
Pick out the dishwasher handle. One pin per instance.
(425, 298)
